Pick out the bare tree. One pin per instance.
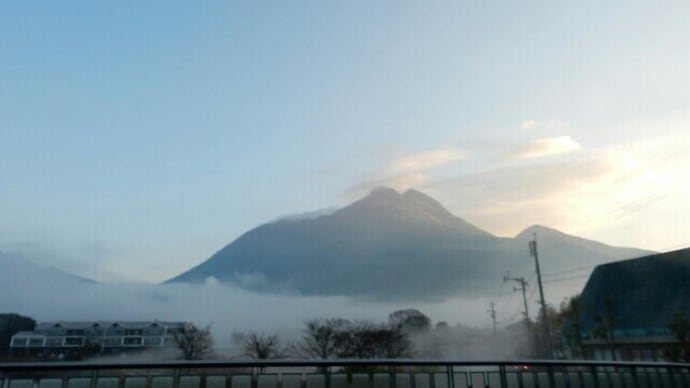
(364, 339)
(410, 320)
(195, 343)
(262, 346)
(320, 338)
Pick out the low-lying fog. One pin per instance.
(231, 309)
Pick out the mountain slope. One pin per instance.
(559, 251)
(384, 246)
(16, 270)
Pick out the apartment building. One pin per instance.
(97, 337)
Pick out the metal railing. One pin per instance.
(346, 374)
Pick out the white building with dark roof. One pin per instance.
(102, 336)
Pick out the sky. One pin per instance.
(138, 138)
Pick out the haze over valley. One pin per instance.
(384, 252)
(251, 165)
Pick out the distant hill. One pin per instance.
(16, 269)
(389, 246)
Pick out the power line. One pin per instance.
(566, 278)
(565, 271)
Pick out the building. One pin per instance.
(69, 339)
(627, 308)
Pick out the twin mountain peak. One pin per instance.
(388, 246)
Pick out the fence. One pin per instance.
(346, 374)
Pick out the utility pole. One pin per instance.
(523, 287)
(533, 252)
(492, 314)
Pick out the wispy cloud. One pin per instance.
(406, 171)
(528, 125)
(546, 147)
(607, 189)
(424, 161)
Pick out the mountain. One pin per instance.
(559, 251)
(18, 273)
(387, 246)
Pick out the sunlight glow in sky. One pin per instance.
(136, 139)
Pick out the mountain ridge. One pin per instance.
(386, 245)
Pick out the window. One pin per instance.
(53, 341)
(112, 341)
(153, 341)
(132, 341)
(73, 341)
(75, 332)
(134, 332)
(18, 342)
(36, 342)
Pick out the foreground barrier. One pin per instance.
(346, 374)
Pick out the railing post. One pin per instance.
(672, 376)
(449, 374)
(303, 380)
(176, 378)
(595, 376)
(327, 377)
(94, 378)
(503, 376)
(228, 380)
(255, 378)
(392, 377)
(552, 377)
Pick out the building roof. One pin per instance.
(645, 293)
(76, 325)
(24, 334)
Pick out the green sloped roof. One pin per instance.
(646, 292)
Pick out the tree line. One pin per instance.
(409, 333)
(328, 338)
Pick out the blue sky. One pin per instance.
(136, 139)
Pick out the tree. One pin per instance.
(366, 340)
(571, 324)
(606, 324)
(11, 324)
(195, 343)
(320, 338)
(680, 327)
(410, 320)
(262, 346)
(541, 343)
